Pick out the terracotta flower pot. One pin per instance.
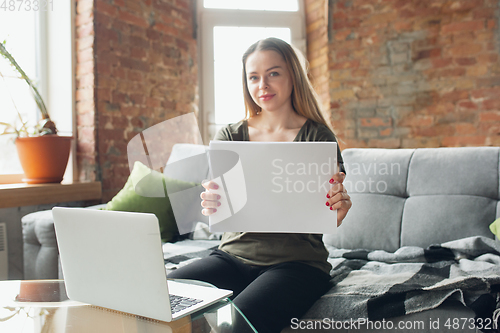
(43, 158)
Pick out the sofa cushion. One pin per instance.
(453, 193)
(378, 171)
(468, 171)
(447, 193)
(374, 228)
(495, 227)
(138, 198)
(434, 219)
(376, 182)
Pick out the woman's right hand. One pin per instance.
(210, 201)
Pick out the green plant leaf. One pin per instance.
(38, 98)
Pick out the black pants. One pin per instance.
(269, 296)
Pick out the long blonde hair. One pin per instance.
(304, 98)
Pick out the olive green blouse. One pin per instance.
(263, 249)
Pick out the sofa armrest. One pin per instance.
(41, 255)
(40, 246)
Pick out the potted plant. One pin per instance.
(42, 152)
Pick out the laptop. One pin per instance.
(115, 260)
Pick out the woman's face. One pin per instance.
(269, 81)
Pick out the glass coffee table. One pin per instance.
(41, 306)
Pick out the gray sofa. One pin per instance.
(404, 201)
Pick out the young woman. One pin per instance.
(274, 276)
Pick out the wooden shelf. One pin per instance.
(15, 195)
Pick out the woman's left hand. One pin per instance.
(338, 199)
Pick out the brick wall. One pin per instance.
(85, 92)
(412, 73)
(317, 48)
(136, 67)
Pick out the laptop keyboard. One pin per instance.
(179, 303)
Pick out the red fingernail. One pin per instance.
(327, 203)
(216, 186)
(218, 197)
(331, 208)
(328, 196)
(215, 210)
(331, 181)
(218, 204)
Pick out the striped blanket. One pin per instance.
(376, 285)
(183, 252)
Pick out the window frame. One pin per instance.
(208, 18)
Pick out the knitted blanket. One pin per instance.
(183, 252)
(375, 285)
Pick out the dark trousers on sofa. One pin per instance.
(269, 296)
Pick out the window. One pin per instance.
(41, 42)
(228, 28)
(229, 104)
(18, 30)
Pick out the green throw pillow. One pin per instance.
(495, 227)
(150, 183)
